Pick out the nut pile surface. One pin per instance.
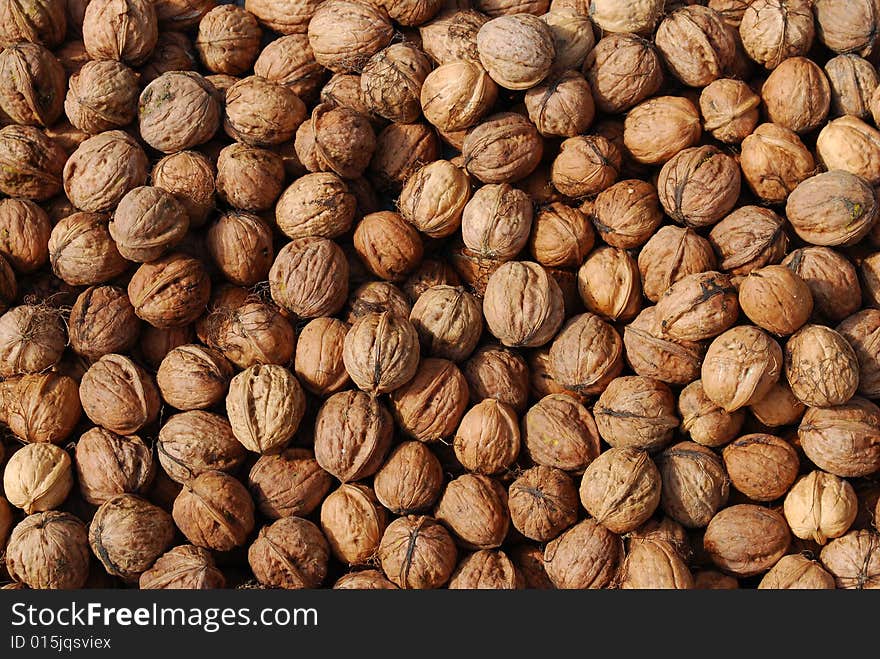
(425, 293)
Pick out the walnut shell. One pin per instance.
(696, 45)
(43, 407)
(585, 556)
(699, 186)
(623, 70)
(763, 467)
(353, 522)
(190, 178)
(102, 95)
(821, 367)
(228, 40)
(560, 432)
(652, 354)
(820, 507)
(124, 30)
(455, 96)
(474, 507)
(698, 307)
(260, 112)
(103, 169)
(586, 354)
(694, 484)
(609, 284)
(746, 540)
(847, 27)
(495, 223)
(523, 305)
(108, 465)
(452, 36)
(248, 177)
(543, 503)
(660, 127)
(309, 277)
(854, 560)
(843, 440)
(32, 85)
(504, 148)
(796, 572)
(102, 321)
(851, 145)
(179, 110)
(128, 534)
(289, 60)
(797, 95)
(740, 368)
(287, 17)
(381, 352)
(776, 299)
(265, 405)
(318, 204)
(184, 567)
(214, 511)
(49, 550)
(37, 22)
(586, 165)
(561, 236)
(410, 480)
(24, 233)
(417, 552)
(288, 483)
(318, 362)
(30, 163)
(774, 161)
(730, 110)
(430, 406)
(671, 254)
(31, 340)
(486, 569)
(778, 407)
(352, 435)
(853, 81)
(290, 553)
(346, 33)
(119, 395)
(170, 292)
(774, 30)
(37, 477)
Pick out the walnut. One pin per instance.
(748, 239)
(561, 106)
(346, 33)
(430, 406)
(851, 145)
(543, 503)
(820, 507)
(434, 198)
(102, 321)
(847, 27)
(174, 52)
(504, 148)
(191, 443)
(318, 362)
(650, 353)
(774, 161)
(248, 331)
(488, 439)
(49, 550)
(261, 113)
(318, 204)
(184, 567)
(821, 367)
(228, 40)
(289, 60)
(417, 552)
(288, 483)
(410, 480)
(119, 395)
(740, 368)
(621, 489)
(654, 564)
(376, 297)
(698, 307)
(214, 511)
(730, 110)
(763, 467)
(497, 372)
(448, 321)
(671, 254)
(623, 70)
(391, 82)
(560, 432)
(32, 85)
(561, 236)
(796, 572)
(287, 17)
(389, 246)
(24, 231)
(310, 277)
(156, 343)
(124, 30)
(746, 540)
(699, 186)
(474, 507)
(774, 30)
(189, 176)
(178, 111)
(103, 169)
(586, 354)
(42, 407)
(171, 291)
(401, 149)
(776, 299)
(860, 331)
(854, 560)
(353, 522)
(586, 165)
(37, 22)
(853, 81)
(843, 440)
(778, 407)
(32, 339)
(585, 556)
(707, 423)
(452, 36)
(627, 214)
(248, 177)
(455, 96)
(147, 223)
(659, 128)
(695, 44)
(695, 484)
(108, 464)
(496, 221)
(30, 163)
(37, 477)
(609, 285)
(486, 569)
(629, 16)
(797, 95)
(516, 50)
(523, 305)
(290, 553)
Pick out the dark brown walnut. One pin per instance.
(37, 477)
(170, 292)
(191, 443)
(774, 161)
(289, 60)
(486, 569)
(318, 361)
(265, 405)
(586, 355)
(178, 110)
(652, 354)
(696, 45)
(488, 439)
(103, 169)
(853, 81)
(796, 572)
(228, 40)
(290, 553)
(851, 145)
(119, 395)
(797, 95)
(108, 465)
(388, 245)
(38, 22)
(763, 467)
(376, 297)
(494, 371)
(156, 343)
(609, 285)
(774, 30)
(776, 299)
(523, 305)
(562, 106)
(561, 236)
(353, 433)
(173, 52)
(585, 556)
(24, 233)
(516, 50)
(636, 412)
(843, 440)
(127, 534)
(560, 432)
(657, 129)
(430, 406)
(671, 254)
(288, 483)
(102, 321)
(248, 331)
(260, 112)
(344, 142)
(623, 70)
(42, 407)
(344, 34)
(31, 340)
(854, 560)
(381, 352)
(410, 479)
(740, 367)
(821, 367)
(504, 148)
(745, 540)
(103, 95)
(698, 306)
(30, 163)
(448, 322)
(400, 150)
(32, 85)
(621, 489)
(751, 237)
(193, 377)
(123, 30)
(309, 277)
(820, 507)
(184, 567)
(452, 36)
(391, 82)
(455, 96)
(778, 407)
(214, 511)
(147, 223)
(474, 507)
(417, 552)
(699, 186)
(286, 17)
(248, 177)
(861, 331)
(496, 222)
(543, 503)
(318, 204)
(846, 27)
(730, 110)
(189, 177)
(627, 214)
(586, 165)
(694, 484)
(49, 550)
(353, 522)
(240, 244)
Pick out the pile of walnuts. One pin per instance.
(436, 293)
